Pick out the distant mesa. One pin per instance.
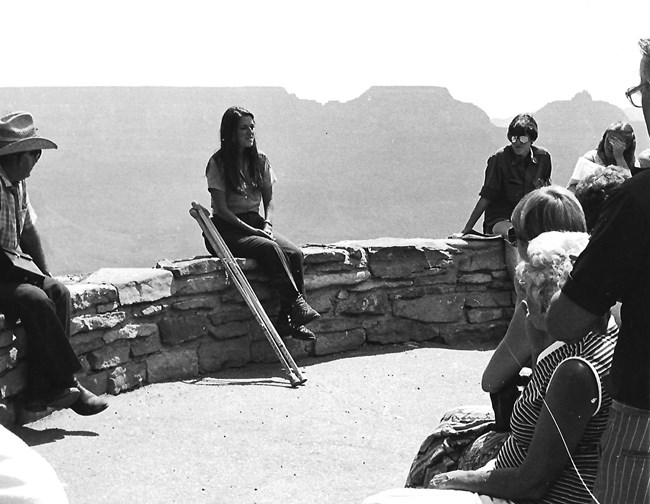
(397, 161)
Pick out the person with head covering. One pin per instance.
(616, 147)
(615, 266)
(38, 300)
(240, 182)
(511, 173)
(551, 455)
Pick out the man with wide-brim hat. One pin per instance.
(43, 305)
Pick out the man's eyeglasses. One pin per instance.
(635, 95)
(522, 138)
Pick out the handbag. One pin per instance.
(16, 266)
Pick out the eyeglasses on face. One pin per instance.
(522, 139)
(635, 94)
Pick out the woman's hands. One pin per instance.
(268, 229)
(618, 148)
(445, 481)
(265, 232)
(471, 481)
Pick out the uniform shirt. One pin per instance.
(615, 266)
(509, 177)
(16, 213)
(246, 200)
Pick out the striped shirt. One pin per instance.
(16, 213)
(597, 350)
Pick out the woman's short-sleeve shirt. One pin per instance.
(250, 197)
(585, 166)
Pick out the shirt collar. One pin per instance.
(515, 159)
(5, 180)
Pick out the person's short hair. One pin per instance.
(523, 124)
(550, 260)
(594, 189)
(644, 70)
(550, 208)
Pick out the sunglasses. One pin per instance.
(511, 238)
(635, 95)
(522, 139)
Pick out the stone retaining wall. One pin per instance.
(181, 319)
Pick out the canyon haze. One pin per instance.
(396, 161)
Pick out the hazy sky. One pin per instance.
(504, 56)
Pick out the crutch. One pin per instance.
(244, 287)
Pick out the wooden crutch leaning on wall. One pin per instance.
(244, 287)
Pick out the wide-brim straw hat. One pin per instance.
(18, 134)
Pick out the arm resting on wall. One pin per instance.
(480, 207)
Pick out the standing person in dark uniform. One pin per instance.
(240, 182)
(616, 266)
(511, 173)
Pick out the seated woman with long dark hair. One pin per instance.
(616, 147)
(240, 181)
(551, 456)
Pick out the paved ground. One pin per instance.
(244, 436)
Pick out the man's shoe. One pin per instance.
(301, 313)
(54, 398)
(88, 403)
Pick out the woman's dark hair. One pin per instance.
(523, 124)
(228, 154)
(625, 132)
(594, 189)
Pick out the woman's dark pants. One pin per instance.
(279, 258)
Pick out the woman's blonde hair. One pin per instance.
(550, 260)
(550, 208)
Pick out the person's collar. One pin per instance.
(550, 349)
(5, 179)
(516, 159)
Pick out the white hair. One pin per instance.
(550, 260)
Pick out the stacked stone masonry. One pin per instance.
(185, 318)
